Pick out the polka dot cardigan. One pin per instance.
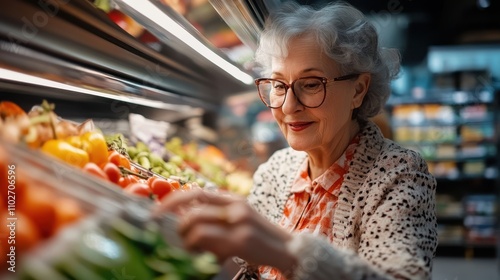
(384, 225)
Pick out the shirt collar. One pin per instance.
(329, 179)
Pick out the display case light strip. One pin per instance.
(149, 10)
(34, 80)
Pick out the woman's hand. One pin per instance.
(227, 226)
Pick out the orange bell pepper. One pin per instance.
(66, 152)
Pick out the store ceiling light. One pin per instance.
(34, 80)
(151, 11)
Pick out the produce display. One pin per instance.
(66, 224)
(34, 212)
(211, 163)
(85, 147)
(110, 249)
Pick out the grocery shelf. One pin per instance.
(450, 219)
(446, 97)
(29, 73)
(81, 42)
(465, 251)
(453, 124)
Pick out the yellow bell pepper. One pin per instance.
(66, 152)
(75, 141)
(94, 144)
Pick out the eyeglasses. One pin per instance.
(309, 91)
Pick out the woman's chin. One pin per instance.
(298, 145)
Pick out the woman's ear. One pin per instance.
(361, 86)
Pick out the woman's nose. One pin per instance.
(291, 103)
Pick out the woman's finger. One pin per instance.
(204, 214)
(209, 237)
(178, 200)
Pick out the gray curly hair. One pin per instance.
(345, 35)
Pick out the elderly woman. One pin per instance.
(341, 202)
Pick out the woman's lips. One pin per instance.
(298, 126)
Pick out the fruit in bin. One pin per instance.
(155, 160)
(176, 185)
(126, 180)
(27, 234)
(118, 159)
(17, 186)
(139, 189)
(94, 144)
(38, 205)
(95, 170)
(14, 121)
(144, 162)
(43, 122)
(65, 129)
(149, 39)
(107, 255)
(125, 22)
(66, 152)
(68, 211)
(4, 169)
(160, 187)
(112, 171)
(194, 165)
(10, 109)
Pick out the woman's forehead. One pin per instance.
(303, 53)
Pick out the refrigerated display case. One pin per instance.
(72, 54)
(65, 224)
(77, 44)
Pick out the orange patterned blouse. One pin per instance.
(311, 206)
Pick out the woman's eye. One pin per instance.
(311, 85)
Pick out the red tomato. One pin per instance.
(161, 187)
(175, 184)
(118, 159)
(127, 180)
(151, 180)
(113, 172)
(38, 204)
(139, 189)
(94, 169)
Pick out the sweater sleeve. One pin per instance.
(397, 236)
(317, 259)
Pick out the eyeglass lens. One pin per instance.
(309, 91)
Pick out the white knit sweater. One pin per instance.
(384, 224)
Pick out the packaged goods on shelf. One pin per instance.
(444, 169)
(480, 220)
(476, 150)
(450, 235)
(446, 151)
(438, 113)
(408, 114)
(474, 133)
(439, 134)
(474, 168)
(474, 112)
(448, 206)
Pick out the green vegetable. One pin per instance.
(142, 147)
(144, 162)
